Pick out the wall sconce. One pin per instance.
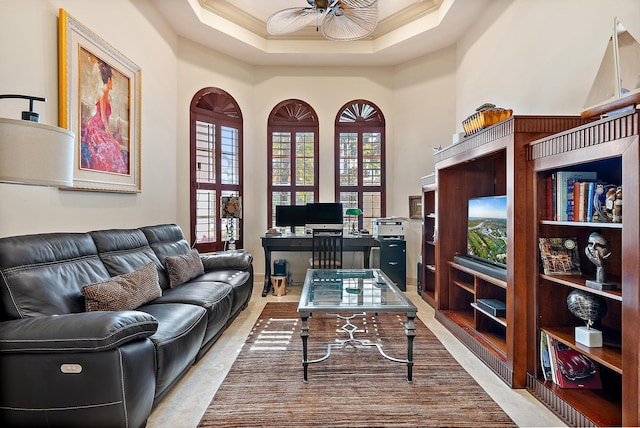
(34, 153)
(231, 209)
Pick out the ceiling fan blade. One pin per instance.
(358, 3)
(348, 23)
(293, 19)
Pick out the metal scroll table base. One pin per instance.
(350, 329)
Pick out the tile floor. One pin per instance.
(186, 402)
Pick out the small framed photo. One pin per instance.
(415, 207)
(100, 103)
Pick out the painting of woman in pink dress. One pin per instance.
(103, 147)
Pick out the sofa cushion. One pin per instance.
(125, 250)
(215, 297)
(180, 334)
(42, 274)
(123, 292)
(184, 267)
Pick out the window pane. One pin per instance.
(205, 152)
(230, 167)
(206, 216)
(305, 161)
(372, 202)
(348, 159)
(281, 158)
(303, 198)
(349, 200)
(371, 159)
(278, 198)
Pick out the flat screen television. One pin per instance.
(487, 229)
(291, 216)
(324, 215)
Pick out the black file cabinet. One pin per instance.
(393, 261)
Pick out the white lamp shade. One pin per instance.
(34, 153)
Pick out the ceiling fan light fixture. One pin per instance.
(341, 20)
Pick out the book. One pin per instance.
(582, 195)
(564, 183)
(545, 361)
(591, 190)
(554, 197)
(576, 201)
(573, 369)
(549, 198)
(559, 256)
(552, 359)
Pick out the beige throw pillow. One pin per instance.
(184, 267)
(123, 292)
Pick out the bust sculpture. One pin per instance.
(597, 252)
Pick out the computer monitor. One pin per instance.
(291, 216)
(324, 215)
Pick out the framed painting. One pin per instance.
(415, 207)
(100, 102)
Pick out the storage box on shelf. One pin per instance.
(428, 239)
(491, 162)
(608, 147)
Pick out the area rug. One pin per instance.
(354, 387)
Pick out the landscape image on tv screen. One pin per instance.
(487, 229)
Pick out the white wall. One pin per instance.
(424, 107)
(537, 57)
(29, 55)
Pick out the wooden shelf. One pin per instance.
(610, 148)
(428, 283)
(491, 162)
(575, 404)
(578, 282)
(607, 356)
(465, 286)
(590, 224)
(500, 320)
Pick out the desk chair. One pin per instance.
(327, 249)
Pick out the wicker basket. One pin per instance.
(485, 116)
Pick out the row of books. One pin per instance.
(577, 196)
(567, 367)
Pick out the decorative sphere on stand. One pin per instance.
(587, 306)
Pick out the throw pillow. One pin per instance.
(123, 292)
(184, 267)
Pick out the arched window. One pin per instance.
(292, 157)
(216, 167)
(360, 161)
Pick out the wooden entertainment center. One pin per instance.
(514, 158)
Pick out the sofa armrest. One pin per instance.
(240, 260)
(85, 332)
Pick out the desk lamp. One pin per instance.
(354, 212)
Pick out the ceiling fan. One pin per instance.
(340, 19)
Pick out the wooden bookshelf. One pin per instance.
(609, 147)
(428, 291)
(488, 163)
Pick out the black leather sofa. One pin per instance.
(61, 365)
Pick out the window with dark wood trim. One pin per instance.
(292, 156)
(216, 167)
(360, 161)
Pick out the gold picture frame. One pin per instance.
(415, 207)
(99, 100)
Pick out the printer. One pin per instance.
(389, 228)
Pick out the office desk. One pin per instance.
(362, 244)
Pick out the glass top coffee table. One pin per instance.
(347, 293)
